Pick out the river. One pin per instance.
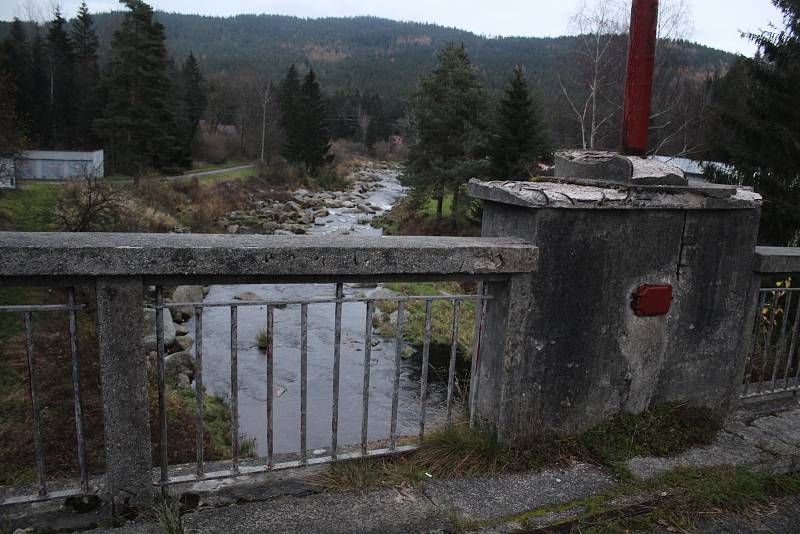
(286, 391)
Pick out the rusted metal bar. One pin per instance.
(639, 77)
(396, 386)
(76, 388)
(765, 352)
(781, 346)
(40, 308)
(748, 372)
(423, 386)
(284, 303)
(162, 396)
(198, 388)
(792, 343)
(303, 383)
(451, 374)
(34, 394)
(474, 373)
(234, 389)
(337, 354)
(365, 390)
(270, 382)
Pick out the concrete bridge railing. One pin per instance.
(119, 268)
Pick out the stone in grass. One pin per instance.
(180, 364)
(185, 342)
(248, 296)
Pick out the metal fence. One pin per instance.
(772, 364)
(27, 311)
(336, 451)
(168, 474)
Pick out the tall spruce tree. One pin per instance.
(40, 128)
(289, 99)
(87, 75)
(194, 93)
(15, 66)
(756, 126)
(448, 108)
(314, 138)
(61, 80)
(517, 139)
(138, 123)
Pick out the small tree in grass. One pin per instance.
(448, 110)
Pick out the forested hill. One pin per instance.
(365, 53)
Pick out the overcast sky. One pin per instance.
(716, 23)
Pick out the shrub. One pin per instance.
(90, 203)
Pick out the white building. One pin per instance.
(59, 164)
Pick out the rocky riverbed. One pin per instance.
(303, 209)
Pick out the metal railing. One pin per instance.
(335, 452)
(117, 269)
(27, 311)
(772, 365)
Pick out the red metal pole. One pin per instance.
(639, 77)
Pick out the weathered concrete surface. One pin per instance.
(93, 254)
(584, 194)
(123, 373)
(613, 167)
(768, 442)
(585, 355)
(493, 498)
(777, 260)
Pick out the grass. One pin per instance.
(29, 207)
(168, 514)
(416, 215)
(458, 451)
(679, 501)
(441, 315)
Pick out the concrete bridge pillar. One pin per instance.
(606, 227)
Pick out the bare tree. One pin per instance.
(591, 81)
(90, 203)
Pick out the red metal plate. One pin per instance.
(652, 300)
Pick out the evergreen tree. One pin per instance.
(756, 126)
(190, 106)
(289, 98)
(87, 75)
(40, 128)
(138, 123)
(60, 62)
(448, 108)
(194, 93)
(15, 66)
(517, 138)
(314, 138)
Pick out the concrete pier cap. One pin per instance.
(606, 225)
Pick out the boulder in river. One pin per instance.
(149, 339)
(187, 294)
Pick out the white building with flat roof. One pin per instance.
(59, 164)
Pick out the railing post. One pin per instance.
(123, 373)
(500, 399)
